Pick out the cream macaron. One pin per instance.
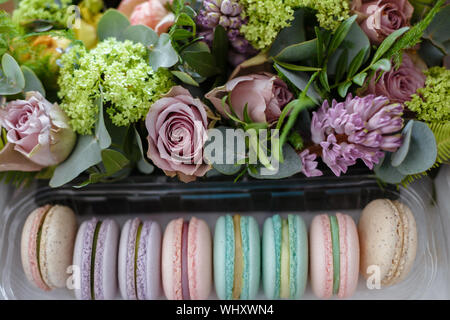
(388, 240)
(48, 237)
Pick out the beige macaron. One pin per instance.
(388, 240)
(48, 238)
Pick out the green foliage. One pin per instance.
(8, 31)
(18, 178)
(413, 36)
(129, 84)
(330, 13)
(44, 11)
(432, 102)
(441, 132)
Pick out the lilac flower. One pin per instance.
(309, 164)
(226, 13)
(358, 128)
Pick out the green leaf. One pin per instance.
(387, 43)
(228, 157)
(202, 61)
(114, 161)
(357, 62)
(343, 88)
(140, 34)
(355, 41)
(291, 35)
(294, 67)
(86, 154)
(300, 80)
(340, 34)
(32, 82)
(323, 77)
(438, 30)
(298, 52)
(360, 78)
(220, 48)
(341, 66)
(291, 165)
(112, 24)
(383, 64)
(181, 34)
(184, 20)
(101, 133)
(13, 80)
(422, 152)
(386, 172)
(163, 55)
(185, 78)
(143, 165)
(399, 156)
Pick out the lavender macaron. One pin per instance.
(140, 260)
(95, 255)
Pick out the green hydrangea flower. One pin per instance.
(330, 13)
(432, 102)
(267, 17)
(120, 69)
(30, 10)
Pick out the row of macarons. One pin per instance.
(139, 260)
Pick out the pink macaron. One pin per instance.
(187, 260)
(334, 256)
(140, 260)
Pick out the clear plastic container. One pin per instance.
(163, 200)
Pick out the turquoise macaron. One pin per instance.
(284, 257)
(237, 257)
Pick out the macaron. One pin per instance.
(95, 255)
(140, 260)
(284, 257)
(186, 260)
(334, 256)
(388, 240)
(237, 257)
(48, 238)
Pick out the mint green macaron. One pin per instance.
(284, 257)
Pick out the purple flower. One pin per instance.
(309, 164)
(358, 128)
(226, 13)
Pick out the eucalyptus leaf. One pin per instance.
(86, 154)
(140, 34)
(185, 78)
(13, 78)
(32, 82)
(163, 55)
(300, 80)
(288, 36)
(114, 161)
(143, 165)
(112, 24)
(298, 52)
(101, 132)
(399, 156)
(291, 165)
(387, 43)
(382, 64)
(386, 172)
(422, 152)
(438, 30)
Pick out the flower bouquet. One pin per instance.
(267, 89)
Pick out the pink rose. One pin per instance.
(380, 18)
(151, 13)
(38, 134)
(398, 85)
(265, 94)
(177, 127)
